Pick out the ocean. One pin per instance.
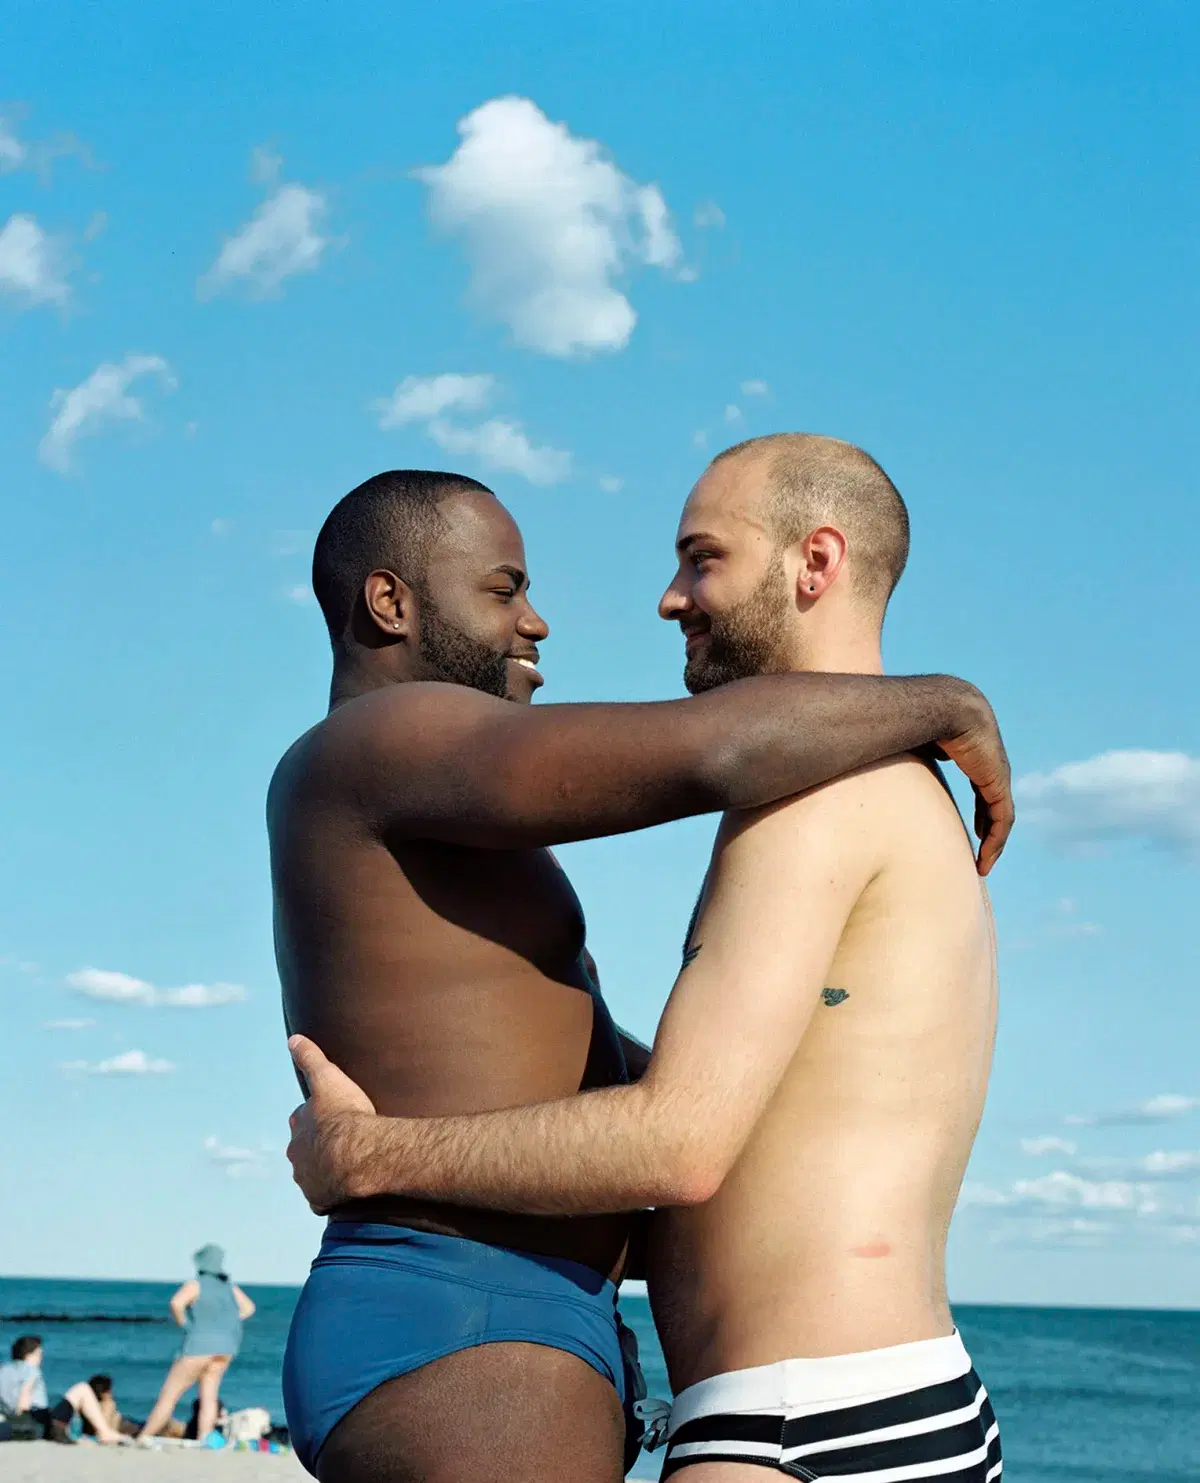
(1083, 1395)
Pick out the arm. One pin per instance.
(183, 1300)
(449, 763)
(781, 888)
(25, 1395)
(245, 1305)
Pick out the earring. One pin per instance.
(395, 625)
(811, 588)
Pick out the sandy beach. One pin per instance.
(44, 1462)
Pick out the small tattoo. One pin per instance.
(835, 996)
(689, 955)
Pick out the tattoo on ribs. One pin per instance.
(689, 954)
(835, 996)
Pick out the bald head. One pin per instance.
(811, 481)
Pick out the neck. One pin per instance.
(843, 653)
(358, 673)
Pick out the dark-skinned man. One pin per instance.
(430, 944)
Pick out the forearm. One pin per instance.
(598, 1152)
(485, 774)
(775, 736)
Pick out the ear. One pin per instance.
(822, 557)
(391, 604)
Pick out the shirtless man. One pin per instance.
(429, 942)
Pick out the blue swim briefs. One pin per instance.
(384, 1300)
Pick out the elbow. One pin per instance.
(694, 1181)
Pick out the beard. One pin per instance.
(745, 640)
(455, 658)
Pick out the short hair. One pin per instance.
(814, 479)
(390, 521)
(101, 1386)
(26, 1345)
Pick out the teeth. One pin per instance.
(528, 663)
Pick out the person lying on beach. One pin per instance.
(23, 1393)
(101, 1387)
(427, 938)
(819, 1071)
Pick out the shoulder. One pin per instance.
(390, 724)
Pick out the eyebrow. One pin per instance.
(686, 542)
(514, 572)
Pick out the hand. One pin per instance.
(978, 750)
(330, 1132)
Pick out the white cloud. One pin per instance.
(122, 988)
(708, 214)
(13, 154)
(239, 1163)
(733, 413)
(1161, 1109)
(1036, 1147)
(755, 388)
(502, 446)
(700, 439)
(284, 237)
(610, 484)
(265, 165)
(16, 154)
(421, 398)
(31, 263)
(499, 444)
(128, 1063)
(103, 397)
(286, 543)
(1162, 1164)
(301, 594)
(549, 224)
(1154, 796)
(68, 1024)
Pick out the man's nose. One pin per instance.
(674, 602)
(532, 625)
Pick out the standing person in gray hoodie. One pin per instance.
(211, 1309)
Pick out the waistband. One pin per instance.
(804, 1386)
(460, 1258)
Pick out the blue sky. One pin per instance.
(963, 237)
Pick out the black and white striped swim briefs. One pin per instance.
(896, 1415)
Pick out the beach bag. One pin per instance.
(248, 1425)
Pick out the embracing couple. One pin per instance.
(487, 1143)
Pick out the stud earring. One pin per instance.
(395, 625)
(811, 588)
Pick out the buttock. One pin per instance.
(382, 1301)
(851, 1418)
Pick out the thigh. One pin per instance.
(498, 1413)
(214, 1369)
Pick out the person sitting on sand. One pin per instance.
(102, 1388)
(23, 1393)
(212, 1309)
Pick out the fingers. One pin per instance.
(994, 819)
(310, 1060)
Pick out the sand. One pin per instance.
(44, 1462)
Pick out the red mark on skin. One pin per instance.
(872, 1248)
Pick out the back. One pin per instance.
(829, 1235)
(440, 977)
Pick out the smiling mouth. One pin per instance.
(527, 664)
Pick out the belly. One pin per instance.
(825, 1239)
